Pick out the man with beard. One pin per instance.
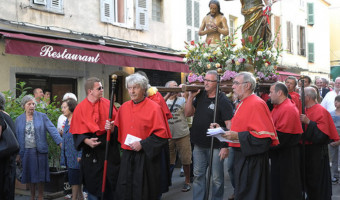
(319, 132)
(252, 132)
(214, 24)
(291, 83)
(88, 129)
(285, 160)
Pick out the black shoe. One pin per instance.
(181, 174)
(186, 187)
(191, 179)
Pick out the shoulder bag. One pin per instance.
(8, 142)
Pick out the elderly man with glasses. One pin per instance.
(201, 105)
(252, 132)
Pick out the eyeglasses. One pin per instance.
(100, 88)
(238, 83)
(207, 80)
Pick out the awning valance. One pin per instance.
(283, 75)
(21, 44)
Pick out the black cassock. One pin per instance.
(140, 172)
(92, 164)
(251, 168)
(285, 168)
(317, 170)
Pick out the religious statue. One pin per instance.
(214, 24)
(257, 18)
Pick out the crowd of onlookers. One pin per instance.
(154, 131)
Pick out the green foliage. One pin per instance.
(14, 109)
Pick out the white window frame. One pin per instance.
(302, 4)
(54, 6)
(232, 24)
(109, 13)
(194, 29)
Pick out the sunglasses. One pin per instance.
(100, 88)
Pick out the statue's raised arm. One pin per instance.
(214, 24)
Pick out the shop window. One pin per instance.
(57, 86)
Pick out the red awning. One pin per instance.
(21, 44)
(283, 75)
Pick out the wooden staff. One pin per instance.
(302, 78)
(108, 134)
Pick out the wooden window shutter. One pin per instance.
(303, 41)
(142, 22)
(188, 34)
(40, 2)
(298, 39)
(106, 11)
(310, 13)
(289, 46)
(291, 37)
(310, 52)
(277, 25)
(189, 12)
(196, 14)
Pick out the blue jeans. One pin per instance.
(201, 163)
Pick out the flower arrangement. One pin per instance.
(254, 55)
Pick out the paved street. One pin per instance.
(175, 192)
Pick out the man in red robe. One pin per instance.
(252, 132)
(285, 157)
(291, 83)
(319, 132)
(88, 129)
(142, 132)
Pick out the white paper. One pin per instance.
(131, 139)
(217, 133)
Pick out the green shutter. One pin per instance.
(311, 52)
(310, 13)
(189, 12)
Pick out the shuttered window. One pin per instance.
(142, 22)
(192, 19)
(157, 10)
(116, 12)
(301, 42)
(311, 52)
(56, 6)
(290, 41)
(310, 13)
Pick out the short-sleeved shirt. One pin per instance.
(178, 123)
(336, 119)
(29, 135)
(204, 116)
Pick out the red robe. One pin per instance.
(252, 114)
(286, 117)
(141, 120)
(91, 117)
(324, 121)
(296, 99)
(158, 98)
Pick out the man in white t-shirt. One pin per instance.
(328, 101)
(179, 129)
